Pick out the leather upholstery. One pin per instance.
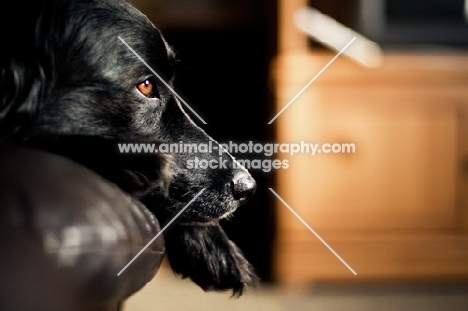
(76, 226)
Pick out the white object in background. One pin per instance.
(466, 10)
(335, 35)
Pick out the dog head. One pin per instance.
(81, 71)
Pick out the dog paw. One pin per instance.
(207, 256)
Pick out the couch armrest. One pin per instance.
(84, 225)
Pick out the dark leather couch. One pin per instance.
(65, 233)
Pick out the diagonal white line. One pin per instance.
(160, 232)
(162, 80)
(313, 231)
(311, 81)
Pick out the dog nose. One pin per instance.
(243, 186)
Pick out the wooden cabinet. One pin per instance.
(397, 208)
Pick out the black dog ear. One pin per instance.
(21, 88)
(25, 64)
(207, 256)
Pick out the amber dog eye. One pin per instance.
(148, 89)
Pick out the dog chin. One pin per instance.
(232, 207)
(199, 223)
(212, 222)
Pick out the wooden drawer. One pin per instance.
(395, 208)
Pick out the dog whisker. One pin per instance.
(229, 217)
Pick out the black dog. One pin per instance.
(69, 86)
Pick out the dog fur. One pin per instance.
(68, 86)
